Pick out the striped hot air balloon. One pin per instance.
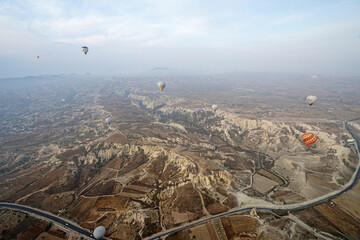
(85, 49)
(309, 138)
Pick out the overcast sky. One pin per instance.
(209, 36)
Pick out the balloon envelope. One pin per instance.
(309, 138)
(214, 107)
(311, 100)
(108, 120)
(99, 232)
(85, 49)
(161, 85)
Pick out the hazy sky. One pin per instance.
(214, 36)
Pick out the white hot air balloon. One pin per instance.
(108, 120)
(161, 85)
(85, 49)
(99, 232)
(214, 107)
(311, 100)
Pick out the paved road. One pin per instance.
(270, 207)
(48, 216)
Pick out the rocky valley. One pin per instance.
(167, 159)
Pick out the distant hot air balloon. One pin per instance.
(37, 114)
(99, 232)
(309, 138)
(214, 107)
(161, 85)
(85, 49)
(311, 100)
(108, 120)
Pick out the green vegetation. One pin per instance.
(48, 227)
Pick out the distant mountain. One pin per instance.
(161, 69)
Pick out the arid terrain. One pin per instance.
(167, 159)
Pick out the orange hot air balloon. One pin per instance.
(309, 138)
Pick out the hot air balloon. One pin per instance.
(85, 49)
(309, 138)
(161, 85)
(214, 107)
(311, 100)
(108, 120)
(99, 232)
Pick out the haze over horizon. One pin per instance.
(179, 119)
(281, 36)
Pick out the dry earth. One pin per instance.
(167, 159)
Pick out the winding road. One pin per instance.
(259, 207)
(47, 216)
(273, 207)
